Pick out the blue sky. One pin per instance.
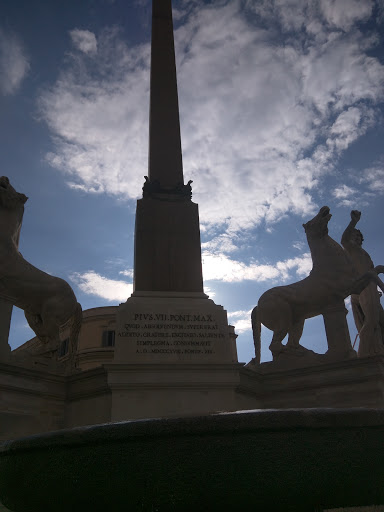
(281, 109)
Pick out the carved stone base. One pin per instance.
(302, 357)
(296, 358)
(173, 327)
(336, 328)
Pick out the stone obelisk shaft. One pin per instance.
(165, 159)
(167, 232)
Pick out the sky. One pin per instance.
(281, 112)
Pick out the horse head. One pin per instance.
(11, 210)
(9, 198)
(318, 226)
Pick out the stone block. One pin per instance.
(173, 328)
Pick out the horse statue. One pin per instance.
(49, 303)
(333, 277)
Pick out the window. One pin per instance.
(63, 348)
(108, 339)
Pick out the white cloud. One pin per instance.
(374, 178)
(92, 283)
(14, 64)
(209, 291)
(345, 13)
(100, 119)
(346, 195)
(347, 202)
(338, 74)
(298, 245)
(216, 267)
(241, 320)
(264, 113)
(219, 267)
(350, 125)
(84, 40)
(223, 243)
(343, 192)
(128, 272)
(315, 16)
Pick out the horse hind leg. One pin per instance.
(35, 322)
(295, 333)
(276, 315)
(276, 345)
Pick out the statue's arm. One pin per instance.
(346, 238)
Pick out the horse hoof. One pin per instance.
(276, 349)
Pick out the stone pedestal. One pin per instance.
(336, 328)
(140, 391)
(167, 247)
(175, 355)
(355, 382)
(173, 328)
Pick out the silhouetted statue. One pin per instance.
(333, 277)
(49, 304)
(146, 187)
(188, 189)
(154, 187)
(366, 307)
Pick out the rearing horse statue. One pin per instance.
(49, 303)
(333, 277)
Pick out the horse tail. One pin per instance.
(256, 329)
(75, 330)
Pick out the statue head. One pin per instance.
(318, 226)
(9, 198)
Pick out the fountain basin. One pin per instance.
(292, 459)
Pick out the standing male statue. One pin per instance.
(366, 307)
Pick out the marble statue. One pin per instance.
(49, 303)
(333, 277)
(366, 307)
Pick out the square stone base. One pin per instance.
(171, 328)
(167, 390)
(350, 383)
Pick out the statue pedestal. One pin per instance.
(336, 328)
(173, 327)
(167, 247)
(175, 354)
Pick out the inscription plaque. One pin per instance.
(159, 332)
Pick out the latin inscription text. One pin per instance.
(163, 333)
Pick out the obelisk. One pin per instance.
(167, 234)
(165, 160)
(168, 320)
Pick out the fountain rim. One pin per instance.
(226, 423)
